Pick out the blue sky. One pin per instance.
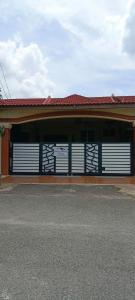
(62, 47)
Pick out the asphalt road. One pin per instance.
(67, 243)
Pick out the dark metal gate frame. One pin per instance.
(41, 160)
(70, 173)
(100, 168)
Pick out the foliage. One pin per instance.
(2, 129)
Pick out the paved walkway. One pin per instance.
(69, 180)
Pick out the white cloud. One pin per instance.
(82, 40)
(26, 69)
(129, 30)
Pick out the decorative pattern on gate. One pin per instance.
(48, 160)
(92, 163)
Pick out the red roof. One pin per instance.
(70, 100)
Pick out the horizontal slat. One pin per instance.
(78, 162)
(26, 163)
(77, 171)
(25, 171)
(115, 151)
(61, 170)
(115, 156)
(61, 159)
(77, 152)
(30, 169)
(77, 159)
(62, 166)
(77, 148)
(117, 169)
(113, 161)
(62, 162)
(77, 168)
(26, 154)
(77, 145)
(116, 148)
(119, 160)
(18, 165)
(75, 163)
(26, 160)
(32, 154)
(116, 144)
(26, 145)
(26, 151)
(61, 145)
(116, 172)
(77, 156)
(116, 165)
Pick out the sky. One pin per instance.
(62, 47)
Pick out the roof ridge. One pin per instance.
(69, 100)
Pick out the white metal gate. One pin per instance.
(24, 158)
(77, 158)
(71, 159)
(116, 158)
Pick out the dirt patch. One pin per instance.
(129, 189)
(6, 187)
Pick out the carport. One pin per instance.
(69, 136)
(71, 146)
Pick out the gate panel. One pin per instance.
(77, 158)
(66, 159)
(48, 159)
(55, 159)
(25, 158)
(62, 158)
(92, 159)
(116, 159)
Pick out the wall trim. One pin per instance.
(68, 114)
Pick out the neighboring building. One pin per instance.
(74, 135)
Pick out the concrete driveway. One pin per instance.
(67, 243)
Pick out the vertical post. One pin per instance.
(133, 145)
(5, 143)
(0, 160)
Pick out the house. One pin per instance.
(74, 135)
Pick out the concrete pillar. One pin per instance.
(5, 144)
(133, 143)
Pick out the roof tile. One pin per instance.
(69, 100)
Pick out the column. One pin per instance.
(133, 142)
(5, 144)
